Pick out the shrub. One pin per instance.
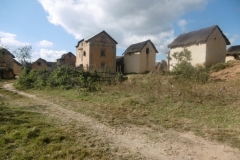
(186, 71)
(220, 66)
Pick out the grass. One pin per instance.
(209, 110)
(26, 133)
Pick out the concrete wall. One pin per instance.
(216, 48)
(147, 61)
(132, 63)
(198, 52)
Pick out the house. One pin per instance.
(9, 67)
(42, 64)
(207, 46)
(68, 59)
(98, 51)
(140, 57)
(233, 53)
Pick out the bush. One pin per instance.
(220, 66)
(186, 71)
(62, 77)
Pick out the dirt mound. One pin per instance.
(231, 73)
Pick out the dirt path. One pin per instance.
(163, 145)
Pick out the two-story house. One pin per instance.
(98, 51)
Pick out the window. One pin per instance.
(39, 63)
(103, 64)
(103, 39)
(70, 55)
(103, 53)
(84, 53)
(147, 50)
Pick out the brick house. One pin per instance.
(42, 64)
(68, 59)
(9, 67)
(98, 51)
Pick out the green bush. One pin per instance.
(63, 77)
(184, 70)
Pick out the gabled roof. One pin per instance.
(138, 47)
(50, 64)
(17, 62)
(5, 50)
(89, 38)
(233, 50)
(66, 54)
(197, 36)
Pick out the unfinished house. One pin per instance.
(207, 46)
(140, 57)
(98, 51)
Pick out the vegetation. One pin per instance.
(184, 70)
(23, 54)
(26, 133)
(184, 101)
(220, 66)
(64, 77)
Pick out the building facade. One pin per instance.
(207, 46)
(140, 57)
(98, 51)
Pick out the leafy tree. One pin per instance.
(24, 54)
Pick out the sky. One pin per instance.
(53, 27)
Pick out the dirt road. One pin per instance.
(148, 143)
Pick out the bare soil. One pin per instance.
(231, 73)
(145, 142)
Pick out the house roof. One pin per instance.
(233, 50)
(17, 62)
(197, 36)
(89, 38)
(5, 50)
(50, 64)
(138, 47)
(66, 54)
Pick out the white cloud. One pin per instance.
(126, 21)
(9, 40)
(233, 39)
(182, 23)
(48, 55)
(45, 43)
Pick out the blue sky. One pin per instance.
(53, 27)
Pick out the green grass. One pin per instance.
(210, 110)
(26, 133)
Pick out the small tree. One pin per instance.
(23, 54)
(184, 69)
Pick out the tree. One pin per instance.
(23, 54)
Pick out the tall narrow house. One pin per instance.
(98, 51)
(140, 57)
